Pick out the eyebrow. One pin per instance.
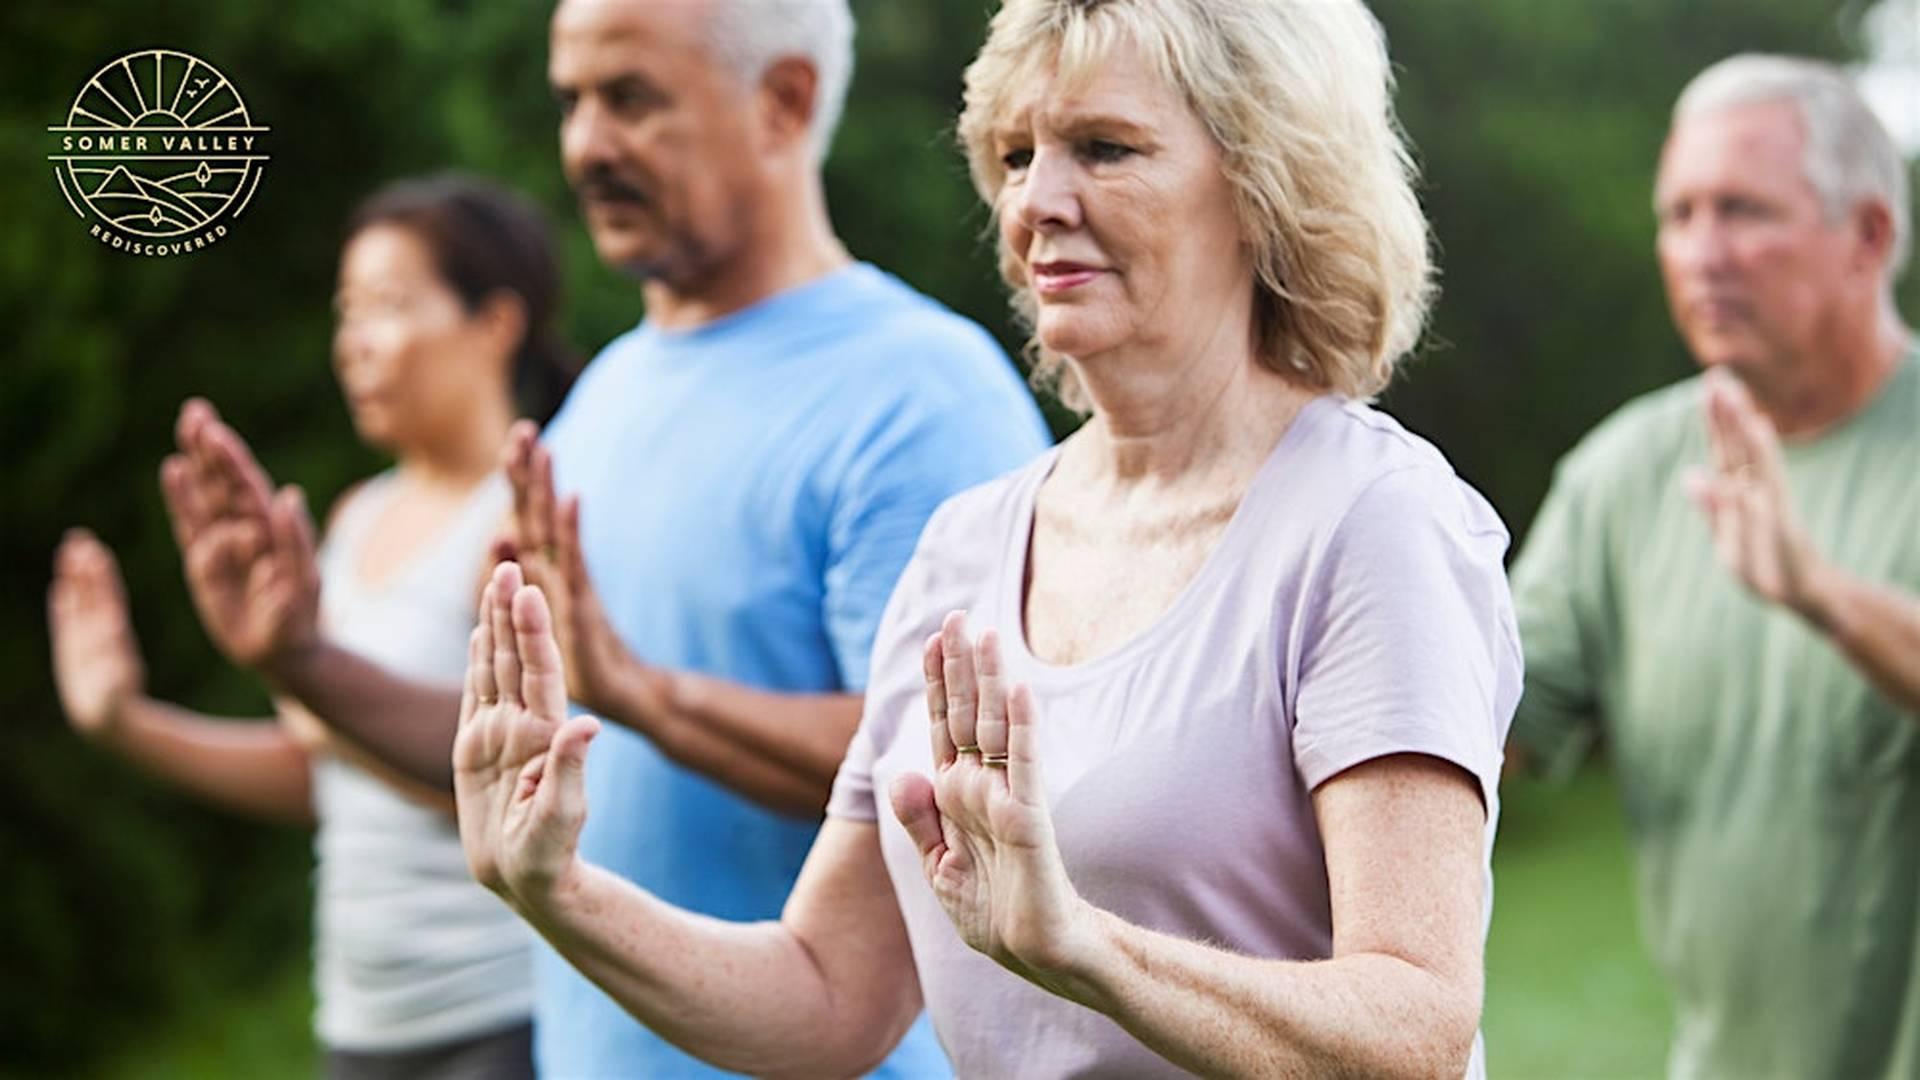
(1080, 125)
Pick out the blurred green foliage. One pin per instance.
(1538, 124)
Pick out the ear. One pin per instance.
(1872, 226)
(789, 93)
(502, 317)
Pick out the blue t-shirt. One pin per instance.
(750, 490)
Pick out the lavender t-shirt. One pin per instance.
(1354, 607)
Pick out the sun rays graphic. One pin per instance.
(146, 146)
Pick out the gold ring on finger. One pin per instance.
(970, 748)
(994, 761)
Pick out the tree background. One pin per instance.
(123, 907)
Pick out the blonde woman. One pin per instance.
(1213, 787)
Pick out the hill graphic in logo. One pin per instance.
(158, 150)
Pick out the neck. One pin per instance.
(790, 243)
(1824, 391)
(1161, 421)
(455, 460)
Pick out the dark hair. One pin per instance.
(486, 239)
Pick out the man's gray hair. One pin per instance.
(750, 35)
(1849, 156)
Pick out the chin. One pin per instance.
(1073, 333)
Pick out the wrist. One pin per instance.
(549, 901)
(1075, 960)
(1818, 601)
(645, 698)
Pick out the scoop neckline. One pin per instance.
(415, 560)
(1018, 554)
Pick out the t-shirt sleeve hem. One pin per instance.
(1322, 762)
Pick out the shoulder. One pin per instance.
(597, 380)
(916, 342)
(1375, 475)
(1651, 429)
(968, 534)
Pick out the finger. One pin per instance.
(1023, 759)
(250, 487)
(932, 667)
(962, 691)
(991, 726)
(292, 537)
(469, 684)
(540, 498)
(543, 678)
(519, 447)
(573, 562)
(506, 649)
(912, 797)
(184, 512)
(562, 796)
(486, 688)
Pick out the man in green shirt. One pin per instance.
(1725, 581)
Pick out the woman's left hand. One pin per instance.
(981, 823)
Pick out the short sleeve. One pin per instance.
(895, 687)
(1406, 637)
(1556, 581)
(908, 466)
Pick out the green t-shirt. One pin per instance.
(1772, 795)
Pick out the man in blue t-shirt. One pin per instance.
(746, 473)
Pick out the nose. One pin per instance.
(1048, 198)
(586, 137)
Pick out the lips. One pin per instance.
(1052, 278)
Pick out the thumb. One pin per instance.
(913, 803)
(563, 787)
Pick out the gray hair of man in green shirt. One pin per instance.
(1783, 221)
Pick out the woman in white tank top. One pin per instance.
(446, 296)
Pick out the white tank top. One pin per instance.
(408, 950)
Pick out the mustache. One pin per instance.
(604, 184)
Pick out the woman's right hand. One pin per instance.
(96, 660)
(519, 763)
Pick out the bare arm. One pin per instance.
(408, 726)
(1402, 834)
(254, 767)
(1401, 995)
(828, 990)
(1877, 628)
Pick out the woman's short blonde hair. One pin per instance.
(1298, 95)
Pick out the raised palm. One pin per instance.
(981, 822)
(248, 553)
(96, 659)
(518, 760)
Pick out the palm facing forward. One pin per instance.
(518, 761)
(981, 823)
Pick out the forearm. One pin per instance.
(256, 767)
(1877, 628)
(1222, 1014)
(747, 997)
(780, 750)
(407, 726)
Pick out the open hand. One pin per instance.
(96, 660)
(601, 673)
(248, 551)
(1744, 497)
(981, 823)
(518, 761)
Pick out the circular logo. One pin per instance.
(159, 152)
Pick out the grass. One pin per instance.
(1570, 993)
